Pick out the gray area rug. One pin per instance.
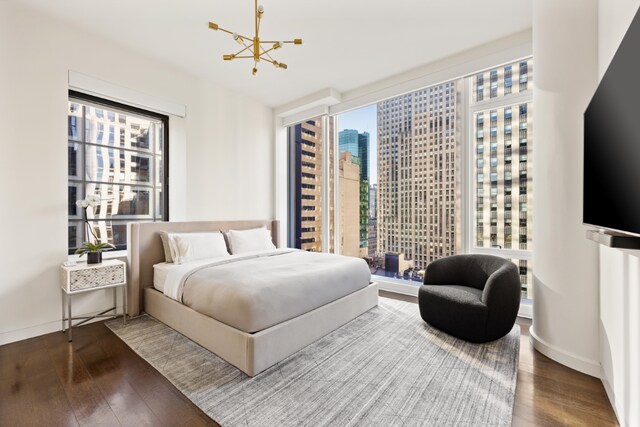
(386, 367)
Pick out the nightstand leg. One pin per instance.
(124, 304)
(115, 301)
(63, 301)
(69, 309)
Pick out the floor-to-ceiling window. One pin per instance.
(501, 118)
(310, 182)
(435, 172)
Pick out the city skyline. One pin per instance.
(357, 144)
(364, 120)
(414, 151)
(419, 181)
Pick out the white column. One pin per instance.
(565, 263)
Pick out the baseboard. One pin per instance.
(571, 360)
(41, 329)
(612, 398)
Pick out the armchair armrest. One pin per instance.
(503, 287)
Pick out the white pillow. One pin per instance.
(255, 239)
(186, 247)
(167, 245)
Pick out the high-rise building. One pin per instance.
(502, 175)
(363, 153)
(373, 205)
(306, 152)
(372, 241)
(358, 145)
(418, 188)
(350, 140)
(349, 184)
(373, 222)
(306, 181)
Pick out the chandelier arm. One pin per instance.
(239, 52)
(267, 55)
(232, 33)
(279, 41)
(266, 52)
(268, 60)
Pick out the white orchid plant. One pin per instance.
(91, 201)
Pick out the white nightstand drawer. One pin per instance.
(88, 276)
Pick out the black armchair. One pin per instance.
(473, 297)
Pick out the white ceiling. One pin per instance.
(347, 43)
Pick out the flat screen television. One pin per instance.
(612, 142)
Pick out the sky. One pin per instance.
(364, 120)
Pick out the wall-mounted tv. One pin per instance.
(612, 142)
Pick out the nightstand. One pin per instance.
(82, 278)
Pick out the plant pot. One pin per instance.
(94, 257)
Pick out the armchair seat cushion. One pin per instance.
(457, 310)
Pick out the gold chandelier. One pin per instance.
(254, 48)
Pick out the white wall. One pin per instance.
(221, 158)
(565, 319)
(619, 269)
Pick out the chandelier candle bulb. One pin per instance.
(254, 45)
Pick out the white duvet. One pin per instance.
(254, 291)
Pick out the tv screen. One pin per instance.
(612, 142)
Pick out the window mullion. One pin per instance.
(325, 184)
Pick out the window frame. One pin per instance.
(467, 161)
(82, 181)
(469, 246)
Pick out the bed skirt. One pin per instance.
(253, 353)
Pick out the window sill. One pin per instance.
(105, 255)
(406, 287)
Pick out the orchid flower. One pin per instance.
(91, 200)
(82, 203)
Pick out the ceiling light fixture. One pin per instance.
(254, 48)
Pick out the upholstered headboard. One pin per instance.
(144, 249)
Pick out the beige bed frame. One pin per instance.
(251, 353)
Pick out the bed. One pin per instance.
(284, 317)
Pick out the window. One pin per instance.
(308, 153)
(510, 192)
(119, 154)
(396, 170)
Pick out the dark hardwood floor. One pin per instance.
(96, 381)
(99, 381)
